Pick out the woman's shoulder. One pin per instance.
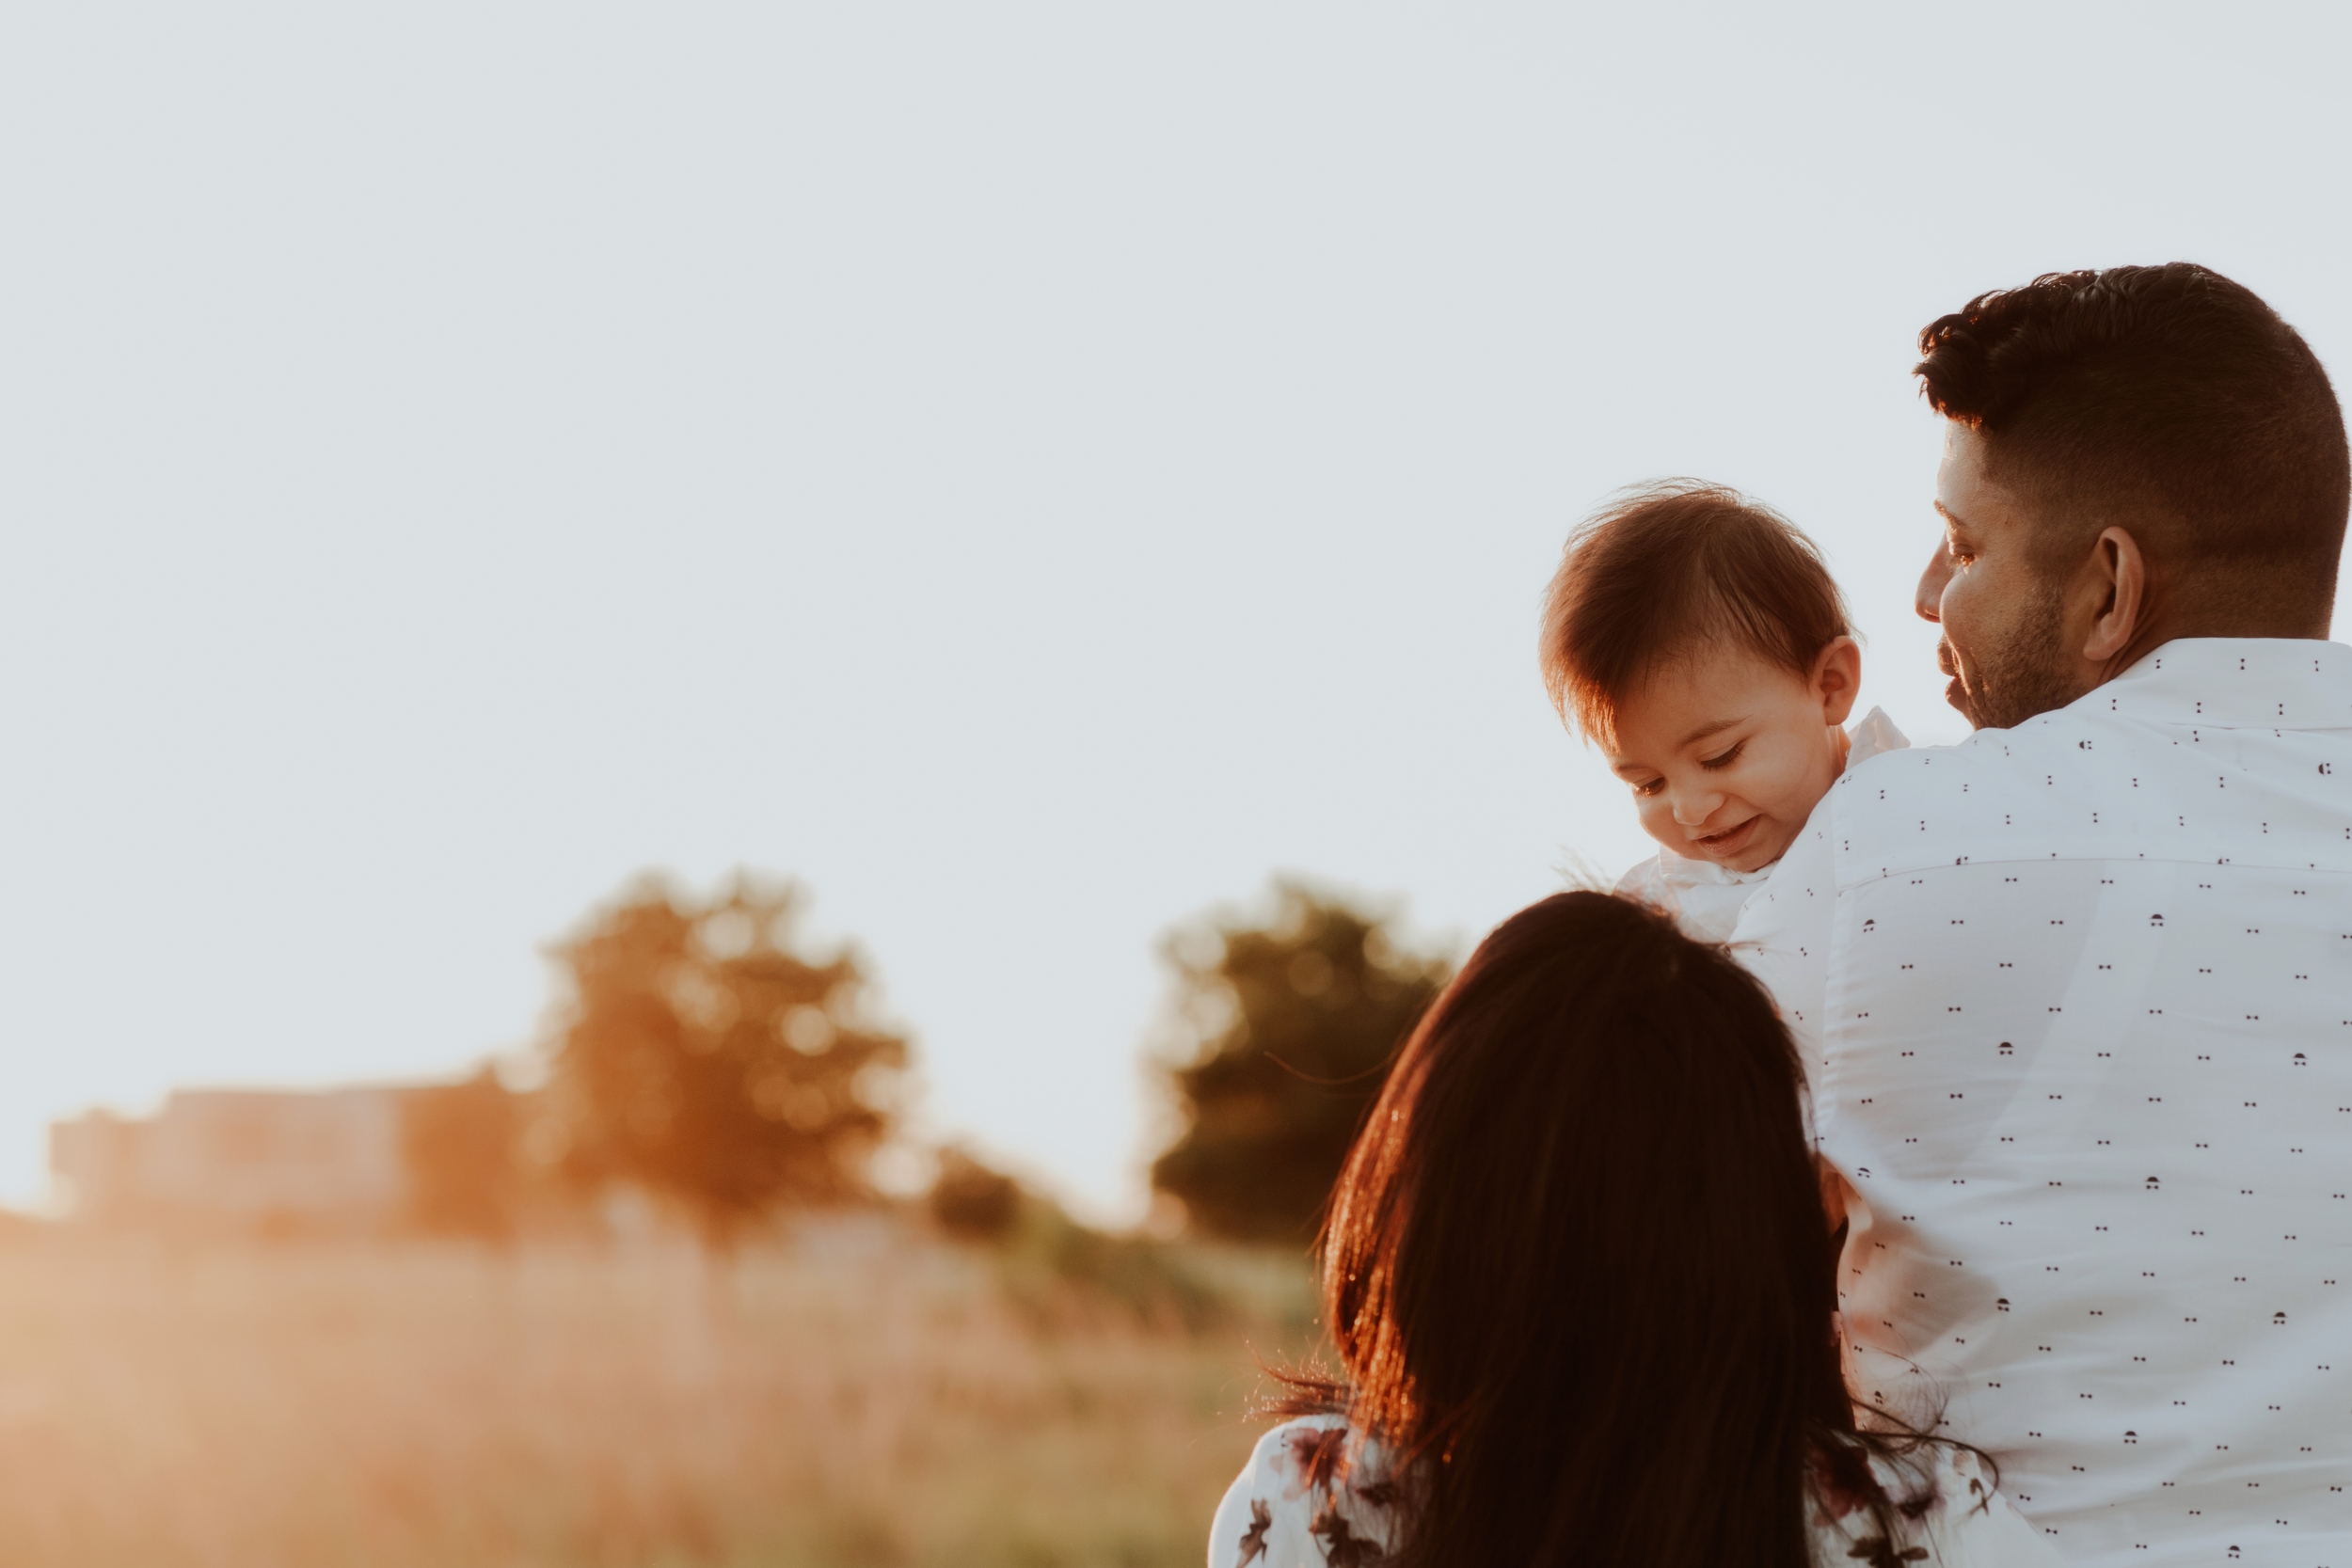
(1949, 1515)
(1315, 1493)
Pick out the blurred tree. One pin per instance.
(1283, 1035)
(1060, 1271)
(460, 1144)
(973, 1201)
(704, 1055)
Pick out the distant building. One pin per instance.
(261, 1160)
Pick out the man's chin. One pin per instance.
(1957, 694)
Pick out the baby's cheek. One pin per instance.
(1657, 815)
(1802, 774)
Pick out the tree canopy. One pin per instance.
(709, 1056)
(1283, 1032)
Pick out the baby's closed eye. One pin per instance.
(1723, 759)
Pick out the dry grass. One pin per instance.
(871, 1400)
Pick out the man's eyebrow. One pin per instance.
(1949, 515)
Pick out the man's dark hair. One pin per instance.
(1670, 566)
(2167, 400)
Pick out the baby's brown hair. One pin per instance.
(1665, 566)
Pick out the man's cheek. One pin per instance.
(1953, 611)
(1960, 627)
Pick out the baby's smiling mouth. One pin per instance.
(1731, 840)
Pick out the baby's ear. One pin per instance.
(1837, 678)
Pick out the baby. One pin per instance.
(1696, 635)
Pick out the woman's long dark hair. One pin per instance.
(1576, 1268)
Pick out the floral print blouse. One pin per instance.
(1317, 1495)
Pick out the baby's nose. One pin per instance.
(1691, 810)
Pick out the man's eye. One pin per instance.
(1723, 759)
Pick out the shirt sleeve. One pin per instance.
(1268, 1517)
(1972, 1525)
(1957, 1520)
(1783, 932)
(1645, 883)
(1234, 1518)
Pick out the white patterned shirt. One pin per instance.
(2075, 1002)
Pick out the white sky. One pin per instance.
(1029, 471)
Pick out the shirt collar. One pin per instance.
(2272, 683)
(1691, 871)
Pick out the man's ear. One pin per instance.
(1838, 678)
(2117, 575)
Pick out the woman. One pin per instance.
(1578, 1276)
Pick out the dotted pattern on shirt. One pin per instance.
(2089, 1063)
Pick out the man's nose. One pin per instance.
(1929, 599)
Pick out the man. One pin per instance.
(2076, 995)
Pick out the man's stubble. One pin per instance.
(2019, 670)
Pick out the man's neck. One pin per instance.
(2220, 607)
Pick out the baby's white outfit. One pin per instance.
(1705, 898)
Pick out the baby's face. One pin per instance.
(1727, 753)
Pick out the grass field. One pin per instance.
(868, 1398)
